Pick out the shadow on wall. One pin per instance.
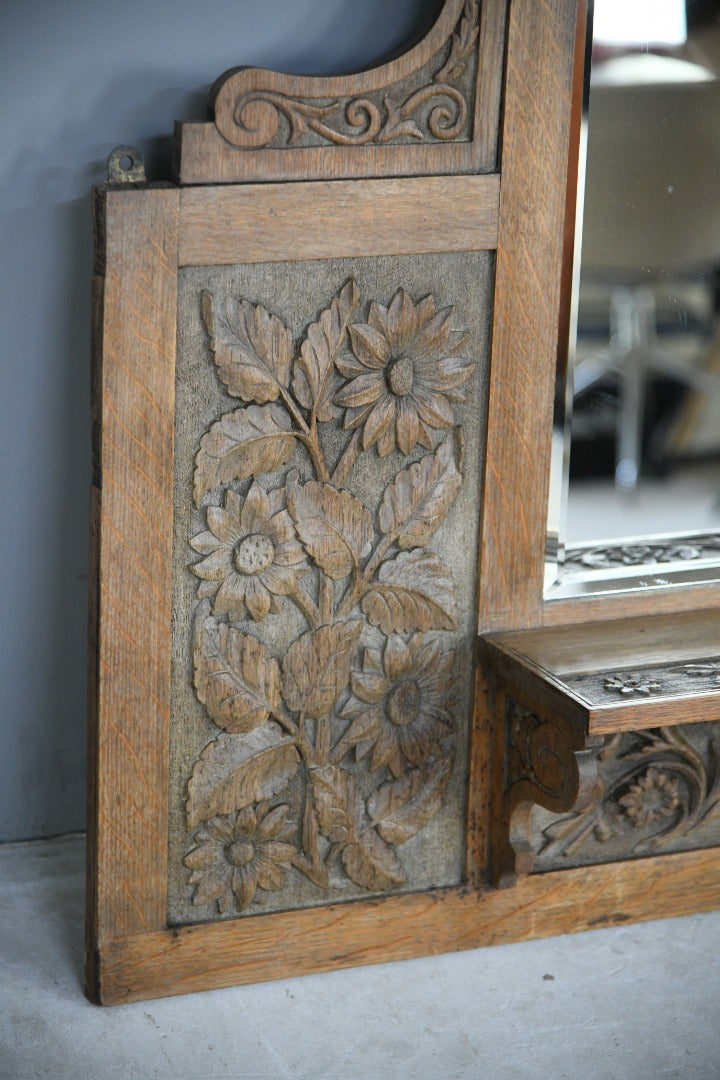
(54, 151)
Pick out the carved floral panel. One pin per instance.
(326, 497)
(658, 791)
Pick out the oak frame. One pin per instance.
(131, 952)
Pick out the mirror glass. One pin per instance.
(635, 491)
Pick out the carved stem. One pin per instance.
(363, 580)
(326, 599)
(308, 607)
(347, 460)
(293, 410)
(310, 862)
(323, 739)
(314, 449)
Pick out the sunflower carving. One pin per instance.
(238, 854)
(401, 705)
(403, 375)
(251, 554)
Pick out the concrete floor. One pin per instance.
(627, 1003)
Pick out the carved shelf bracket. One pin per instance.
(546, 761)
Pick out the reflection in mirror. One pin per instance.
(635, 487)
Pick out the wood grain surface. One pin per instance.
(205, 152)
(273, 222)
(143, 236)
(182, 960)
(536, 132)
(131, 537)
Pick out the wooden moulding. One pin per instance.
(527, 311)
(183, 960)
(626, 675)
(433, 109)
(135, 315)
(263, 222)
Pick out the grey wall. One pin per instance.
(77, 77)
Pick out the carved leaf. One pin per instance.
(462, 43)
(244, 443)
(316, 667)
(414, 505)
(236, 770)
(236, 677)
(414, 592)
(372, 863)
(339, 808)
(253, 349)
(335, 527)
(314, 379)
(402, 808)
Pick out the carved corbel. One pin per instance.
(544, 760)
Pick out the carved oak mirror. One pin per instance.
(324, 361)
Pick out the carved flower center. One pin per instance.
(400, 376)
(240, 853)
(254, 554)
(403, 703)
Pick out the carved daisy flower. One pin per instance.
(655, 795)
(252, 554)
(401, 702)
(239, 854)
(404, 374)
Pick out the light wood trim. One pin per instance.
(132, 558)
(654, 713)
(491, 62)
(206, 158)
(543, 660)
(294, 943)
(481, 754)
(536, 130)
(319, 220)
(631, 604)
(571, 650)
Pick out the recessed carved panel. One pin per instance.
(658, 791)
(324, 582)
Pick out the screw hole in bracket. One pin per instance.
(125, 165)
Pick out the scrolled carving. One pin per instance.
(548, 762)
(356, 720)
(255, 109)
(679, 549)
(654, 788)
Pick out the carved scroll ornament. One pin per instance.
(654, 787)
(426, 95)
(360, 709)
(548, 762)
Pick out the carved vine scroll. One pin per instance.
(425, 96)
(656, 788)
(359, 711)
